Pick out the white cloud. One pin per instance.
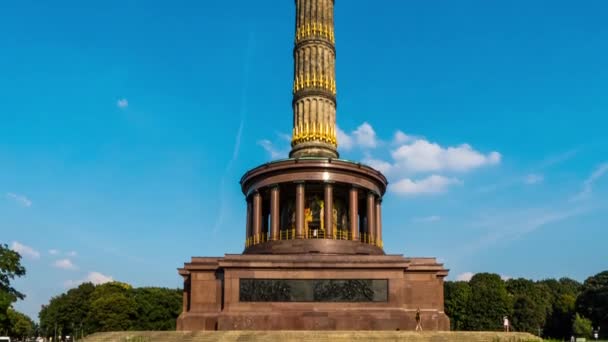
(466, 276)
(431, 185)
(72, 253)
(424, 156)
(53, 251)
(93, 277)
(505, 277)
(122, 103)
(380, 165)
(345, 142)
(533, 178)
(25, 251)
(588, 183)
(98, 278)
(271, 149)
(365, 136)
(401, 138)
(19, 199)
(65, 264)
(433, 218)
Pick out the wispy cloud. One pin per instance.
(96, 278)
(511, 225)
(122, 103)
(433, 184)
(72, 253)
(466, 276)
(587, 190)
(273, 151)
(22, 200)
(53, 251)
(25, 251)
(64, 264)
(239, 133)
(533, 178)
(427, 219)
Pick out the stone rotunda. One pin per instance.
(313, 257)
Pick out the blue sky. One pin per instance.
(126, 125)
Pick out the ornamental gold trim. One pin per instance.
(314, 81)
(315, 30)
(314, 132)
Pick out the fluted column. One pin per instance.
(329, 210)
(314, 86)
(300, 210)
(353, 212)
(248, 233)
(371, 209)
(257, 217)
(379, 221)
(274, 213)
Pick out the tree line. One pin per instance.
(86, 309)
(112, 306)
(550, 308)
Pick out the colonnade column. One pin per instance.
(379, 221)
(248, 232)
(274, 213)
(329, 210)
(300, 210)
(371, 209)
(353, 211)
(257, 217)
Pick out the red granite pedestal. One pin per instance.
(212, 301)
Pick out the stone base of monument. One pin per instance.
(316, 336)
(313, 292)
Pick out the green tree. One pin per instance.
(115, 312)
(20, 325)
(456, 297)
(10, 267)
(531, 304)
(527, 315)
(67, 312)
(110, 307)
(562, 298)
(488, 304)
(581, 326)
(157, 308)
(593, 301)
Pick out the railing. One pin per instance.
(290, 234)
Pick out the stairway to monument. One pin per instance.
(316, 336)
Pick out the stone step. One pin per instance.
(316, 336)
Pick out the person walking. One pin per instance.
(505, 323)
(418, 324)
